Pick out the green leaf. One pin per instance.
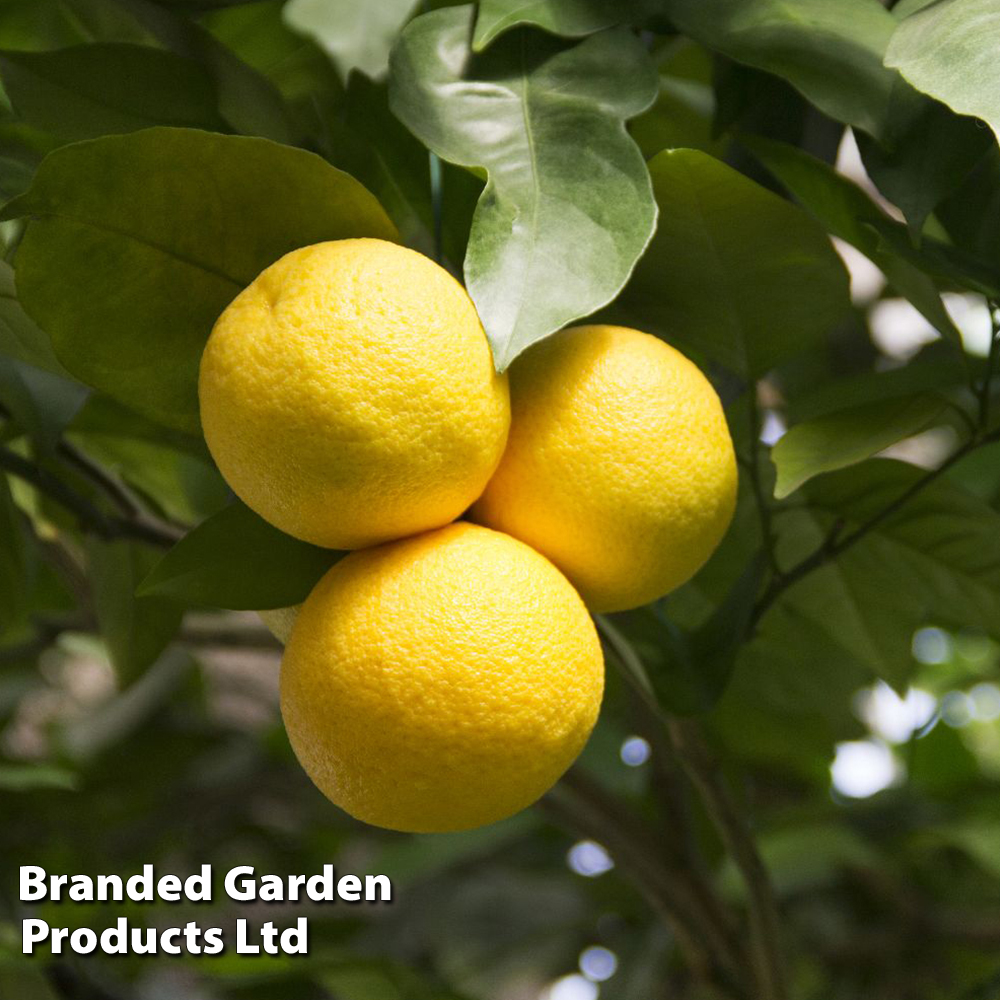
(236, 560)
(42, 403)
(373, 146)
(247, 100)
(918, 168)
(136, 243)
(685, 110)
(848, 213)
(560, 225)
(850, 436)
(357, 34)
(971, 214)
(734, 271)
(936, 257)
(949, 50)
(831, 52)
(931, 560)
(569, 18)
(135, 629)
(92, 90)
(183, 487)
(20, 338)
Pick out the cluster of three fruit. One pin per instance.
(445, 675)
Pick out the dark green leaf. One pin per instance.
(928, 160)
(42, 403)
(247, 100)
(831, 52)
(237, 560)
(685, 107)
(848, 213)
(120, 240)
(971, 215)
(938, 258)
(949, 50)
(560, 224)
(92, 90)
(938, 368)
(849, 436)
(734, 271)
(357, 34)
(135, 629)
(373, 146)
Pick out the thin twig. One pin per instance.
(90, 517)
(99, 476)
(582, 804)
(736, 837)
(760, 496)
(834, 546)
(762, 908)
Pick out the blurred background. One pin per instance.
(136, 732)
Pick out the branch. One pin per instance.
(90, 517)
(763, 508)
(581, 804)
(762, 907)
(836, 544)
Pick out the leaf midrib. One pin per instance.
(142, 241)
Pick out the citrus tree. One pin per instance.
(792, 787)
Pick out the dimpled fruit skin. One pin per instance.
(441, 682)
(348, 395)
(619, 466)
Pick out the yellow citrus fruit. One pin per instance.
(619, 466)
(441, 682)
(348, 395)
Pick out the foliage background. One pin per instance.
(680, 165)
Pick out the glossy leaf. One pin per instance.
(848, 213)
(734, 271)
(949, 50)
(127, 264)
(831, 52)
(850, 436)
(560, 225)
(92, 90)
(357, 34)
(135, 629)
(236, 560)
